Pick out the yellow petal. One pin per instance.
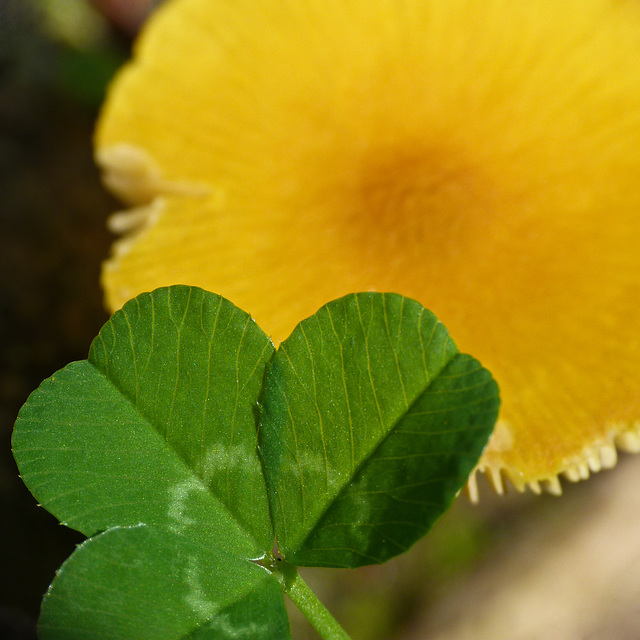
(481, 156)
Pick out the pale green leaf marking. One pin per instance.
(158, 426)
(150, 582)
(371, 424)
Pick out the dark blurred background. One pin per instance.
(55, 61)
(518, 568)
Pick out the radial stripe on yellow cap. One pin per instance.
(481, 156)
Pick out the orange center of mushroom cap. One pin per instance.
(481, 156)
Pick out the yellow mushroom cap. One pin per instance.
(480, 156)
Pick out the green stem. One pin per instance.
(307, 601)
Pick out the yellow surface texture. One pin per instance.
(480, 156)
